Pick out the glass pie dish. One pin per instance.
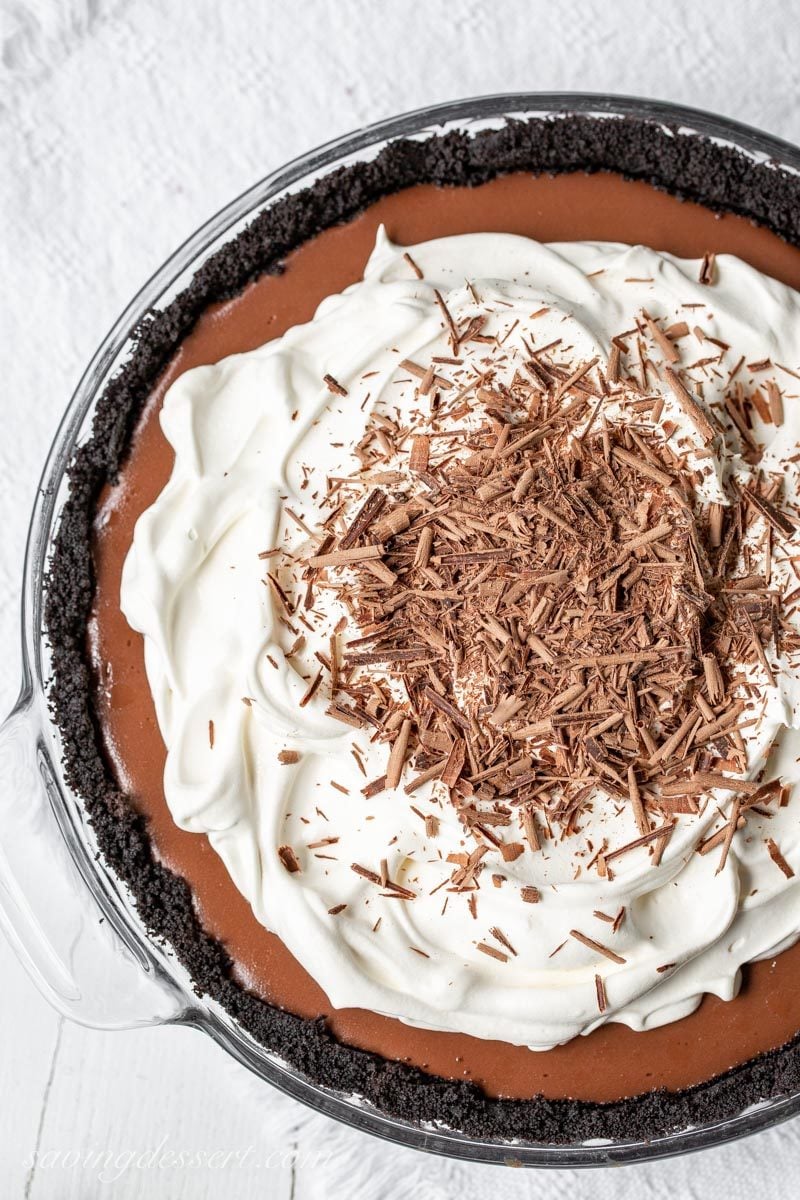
(71, 920)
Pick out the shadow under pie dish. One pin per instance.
(466, 620)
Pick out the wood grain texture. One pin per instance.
(123, 125)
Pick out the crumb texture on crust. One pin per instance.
(719, 177)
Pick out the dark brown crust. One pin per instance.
(692, 168)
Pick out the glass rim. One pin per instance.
(105, 887)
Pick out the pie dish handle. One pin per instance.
(66, 931)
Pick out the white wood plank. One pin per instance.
(104, 172)
(341, 1163)
(29, 1025)
(156, 1112)
(27, 1047)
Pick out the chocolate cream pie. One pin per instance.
(425, 630)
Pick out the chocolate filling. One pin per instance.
(717, 177)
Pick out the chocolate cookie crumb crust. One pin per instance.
(719, 177)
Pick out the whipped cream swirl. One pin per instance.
(256, 438)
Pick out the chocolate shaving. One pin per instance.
(333, 386)
(344, 558)
(773, 516)
(454, 764)
(417, 270)
(492, 952)
(689, 405)
(289, 859)
(778, 859)
(544, 618)
(707, 265)
(445, 706)
(397, 758)
(597, 946)
(663, 831)
(420, 452)
(369, 511)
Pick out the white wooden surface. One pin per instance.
(123, 124)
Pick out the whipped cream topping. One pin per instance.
(257, 437)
